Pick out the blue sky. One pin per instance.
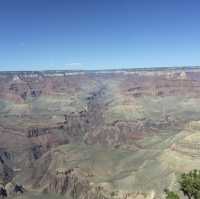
(98, 34)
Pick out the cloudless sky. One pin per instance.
(98, 34)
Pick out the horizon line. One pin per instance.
(148, 68)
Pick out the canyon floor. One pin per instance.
(125, 134)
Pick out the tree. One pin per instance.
(190, 184)
(171, 194)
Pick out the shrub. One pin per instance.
(171, 194)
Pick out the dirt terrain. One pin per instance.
(98, 134)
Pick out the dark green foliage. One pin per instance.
(171, 194)
(190, 184)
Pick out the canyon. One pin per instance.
(113, 134)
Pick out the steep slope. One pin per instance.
(107, 134)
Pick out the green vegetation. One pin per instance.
(189, 185)
(171, 194)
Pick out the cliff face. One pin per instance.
(68, 181)
(119, 129)
(6, 171)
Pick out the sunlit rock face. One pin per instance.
(115, 131)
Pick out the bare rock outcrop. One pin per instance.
(73, 184)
